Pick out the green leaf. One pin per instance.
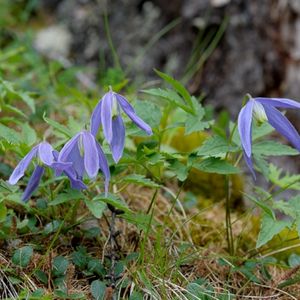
(265, 207)
(216, 165)
(139, 220)
(283, 180)
(114, 201)
(22, 256)
(96, 207)
(98, 289)
(294, 203)
(60, 128)
(3, 211)
(177, 86)
(13, 109)
(9, 135)
(179, 169)
(269, 228)
(216, 146)
(41, 276)
(28, 134)
(149, 112)
(59, 266)
(140, 180)
(170, 96)
(272, 148)
(294, 260)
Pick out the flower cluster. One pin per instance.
(82, 155)
(262, 110)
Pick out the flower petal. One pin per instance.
(245, 127)
(249, 163)
(91, 158)
(103, 166)
(68, 148)
(45, 153)
(283, 126)
(279, 102)
(22, 166)
(33, 182)
(118, 140)
(96, 119)
(106, 115)
(75, 182)
(128, 109)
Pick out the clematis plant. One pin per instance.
(86, 156)
(265, 110)
(45, 158)
(108, 114)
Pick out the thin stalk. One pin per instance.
(229, 234)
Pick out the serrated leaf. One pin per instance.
(13, 109)
(269, 228)
(96, 207)
(276, 176)
(179, 169)
(140, 180)
(60, 128)
(273, 148)
(9, 135)
(216, 165)
(98, 289)
(22, 256)
(216, 146)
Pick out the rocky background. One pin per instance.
(258, 52)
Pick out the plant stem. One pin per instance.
(229, 234)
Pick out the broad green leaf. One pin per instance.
(272, 148)
(149, 112)
(98, 289)
(59, 266)
(216, 165)
(28, 134)
(216, 146)
(96, 207)
(269, 228)
(10, 135)
(140, 180)
(114, 201)
(22, 256)
(61, 128)
(179, 169)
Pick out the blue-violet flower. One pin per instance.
(45, 156)
(108, 114)
(264, 109)
(86, 156)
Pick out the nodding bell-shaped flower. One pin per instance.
(108, 114)
(45, 157)
(264, 109)
(86, 156)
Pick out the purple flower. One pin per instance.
(44, 154)
(264, 109)
(86, 156)
(108, 114)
